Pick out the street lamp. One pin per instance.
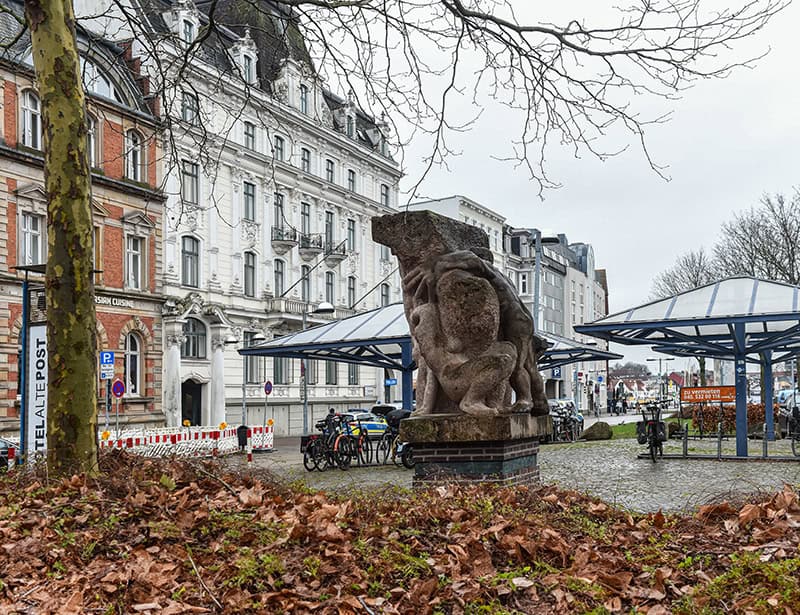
(660, 379)
(322, 308)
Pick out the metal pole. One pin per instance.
(23, 373)
(244, 384)
(117, 418)
(305, 378)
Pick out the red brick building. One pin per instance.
(127, 215)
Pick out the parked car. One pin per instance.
(5, 445)
(375, 425)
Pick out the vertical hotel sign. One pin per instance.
(36, 406)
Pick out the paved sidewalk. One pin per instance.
(608, 469)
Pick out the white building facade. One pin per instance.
(271, 183)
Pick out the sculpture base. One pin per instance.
(463, 449)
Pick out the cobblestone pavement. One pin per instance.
(607, 469)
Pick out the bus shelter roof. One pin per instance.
(736, 316)
(376, 338)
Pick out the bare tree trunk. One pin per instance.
(71, 336)
(702, 363)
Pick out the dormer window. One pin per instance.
(187, 31)
(351, 126)
(304, 99)
(248, 68)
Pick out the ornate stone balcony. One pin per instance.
(310, 246)
(283, 239)
(335, 253)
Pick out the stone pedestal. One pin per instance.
(465, 449)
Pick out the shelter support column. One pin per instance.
(217, 385)
(408, 376)
(769, 408)
(740, 379)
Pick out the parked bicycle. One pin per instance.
(652, 430)
(794, 431)
(390, 446)
(567, 421)
(331, 448)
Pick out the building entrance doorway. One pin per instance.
(191, 402)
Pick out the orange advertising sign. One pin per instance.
(698, 394)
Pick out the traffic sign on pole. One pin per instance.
(118, 388)
(106, 365)
(267, 387)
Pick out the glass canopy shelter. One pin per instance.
(381, 338)
(743, 319)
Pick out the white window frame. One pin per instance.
(190, 108)
(304, 99)
(92, 139)
(385, 198)
(305, 160)
(134, 155)
(279, 148)
(190, 182)
(249, 135)
(196, 340)
(133, 386)
(249, 273)
(248, 68)
(188, 28)
(279, 277)
(386, 295)
(27, 234)
(330, 170)
(130, 266)
(31, 128)
(249, 201)
(351, 180)
(330, 287)
(195, 271)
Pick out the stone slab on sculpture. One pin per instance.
(473, 339)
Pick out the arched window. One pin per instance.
(190, 261)
(133, 365)
(31, 121)
(330, 287)
(134, 156)
(384, 294)
(194, 342)
(280, 279)
(91, 140)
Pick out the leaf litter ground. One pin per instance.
(172, 536)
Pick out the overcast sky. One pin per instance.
(728, 142)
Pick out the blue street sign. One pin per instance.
(267, 387)
(390, 382)
(107, 357)
(599, 379)
(557, 372)
(106, 364)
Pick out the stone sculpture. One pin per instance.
(473, 338)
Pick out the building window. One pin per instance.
(351, 126)
(249, 274)
(91, 140)
(330, 287)
(351, 180)
(188, 31)
(190, 109)
(190, 261)
(282, 370)
(247, 69)
(134, 262)
(384, 195)
(278, 210)
(133, 365)
(250, 135)
(305, 283)
(329, 169)
(134, 157)
(351, 291)
(280, 269)
(305, 218)
(329, 229)
(279, 151)
(194, 339)
(305, 160)
(190, 182)
(385, 297)
(33, 248)
(303, 99)
(523, 284)
(31, 121)
(249, 192)
(331, 375)
(311, 371)
(352, 374)
(385, 253)
(351, 235)
(252, 365)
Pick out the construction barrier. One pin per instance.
(185, 441)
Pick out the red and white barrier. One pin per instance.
(184, 441)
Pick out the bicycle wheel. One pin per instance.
(408, 457)
(383, 448)
(310, 457)
(653, 450)
(342, 453)
(364, 451)
(796, 446)
(397, 459)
